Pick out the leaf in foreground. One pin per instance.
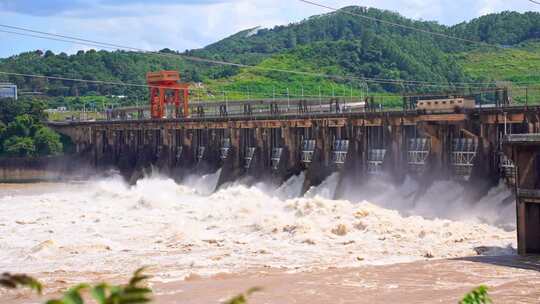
(242, 298)
(477, 296)
(12, 281)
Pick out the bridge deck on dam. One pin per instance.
(392, 117)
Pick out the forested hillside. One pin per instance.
(507, 28)
(91, 65)
(338, 43)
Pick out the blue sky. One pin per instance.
(187, 24)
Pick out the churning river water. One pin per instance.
(187, 228)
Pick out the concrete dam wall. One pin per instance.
(461, 146)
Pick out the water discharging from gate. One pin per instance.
(185, 228)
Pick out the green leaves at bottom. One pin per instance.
(12, 281)
(103, 293)
(242, 298)
(477, 296)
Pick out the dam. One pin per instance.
(468, 147)
(428, 140)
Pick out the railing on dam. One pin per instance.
(305, 106)
(354, 109)
(235, 109)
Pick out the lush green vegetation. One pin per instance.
(105, 66)
(477, 296)
(338, 43)
(250, 46)
(344, 44)
(22, 133)
(135, 291)
(510, 66)
(520, 64)
(506, 28)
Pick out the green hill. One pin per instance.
(338, 43)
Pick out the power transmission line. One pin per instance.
(93, 43)
(47, 38)
(103, 82)
(408, 27)
(126, 84)
(535, 2)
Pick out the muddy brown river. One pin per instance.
(204, 246)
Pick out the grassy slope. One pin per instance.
(521, 65)
(263, 84)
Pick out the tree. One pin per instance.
(291, 40)
(19, 146)
(47, 142)
(21, 131)
(3, 129)
(9, 109)
(22, 126)
(36, 109)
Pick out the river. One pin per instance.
(184, 230)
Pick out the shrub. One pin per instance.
(47, 142)
(477, 296)
(19, 146)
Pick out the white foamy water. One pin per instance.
(107, 225)
(327, 189)
(443, 199)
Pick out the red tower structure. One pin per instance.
(166, 88)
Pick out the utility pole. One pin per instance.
(526, 97)
(320, 99)
(288, 100)
(351, 101)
